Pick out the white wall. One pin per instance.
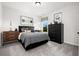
(71, 25)
(0, 21)
(14, 16)
(37, 23)
(0, 14)
(10, 14)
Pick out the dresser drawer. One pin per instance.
(9, 39)
(11, 33)
(10, 36)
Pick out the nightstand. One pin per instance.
(10, 36)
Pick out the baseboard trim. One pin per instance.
(72, 44)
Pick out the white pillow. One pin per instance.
(27, 30)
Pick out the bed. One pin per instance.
(30, 39)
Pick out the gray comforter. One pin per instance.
(30, 38)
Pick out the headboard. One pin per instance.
(22, 28)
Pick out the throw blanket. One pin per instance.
(32, 37)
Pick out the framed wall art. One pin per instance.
(26, 21)
(58, 17)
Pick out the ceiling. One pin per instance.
(31, 8)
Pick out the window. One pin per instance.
(44, 22)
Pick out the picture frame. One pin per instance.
(58, 17)
(26, 21)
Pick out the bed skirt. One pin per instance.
(31, 46)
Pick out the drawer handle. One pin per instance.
(77, 32)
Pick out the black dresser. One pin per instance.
(56, 32)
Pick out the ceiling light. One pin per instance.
(37, 3)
